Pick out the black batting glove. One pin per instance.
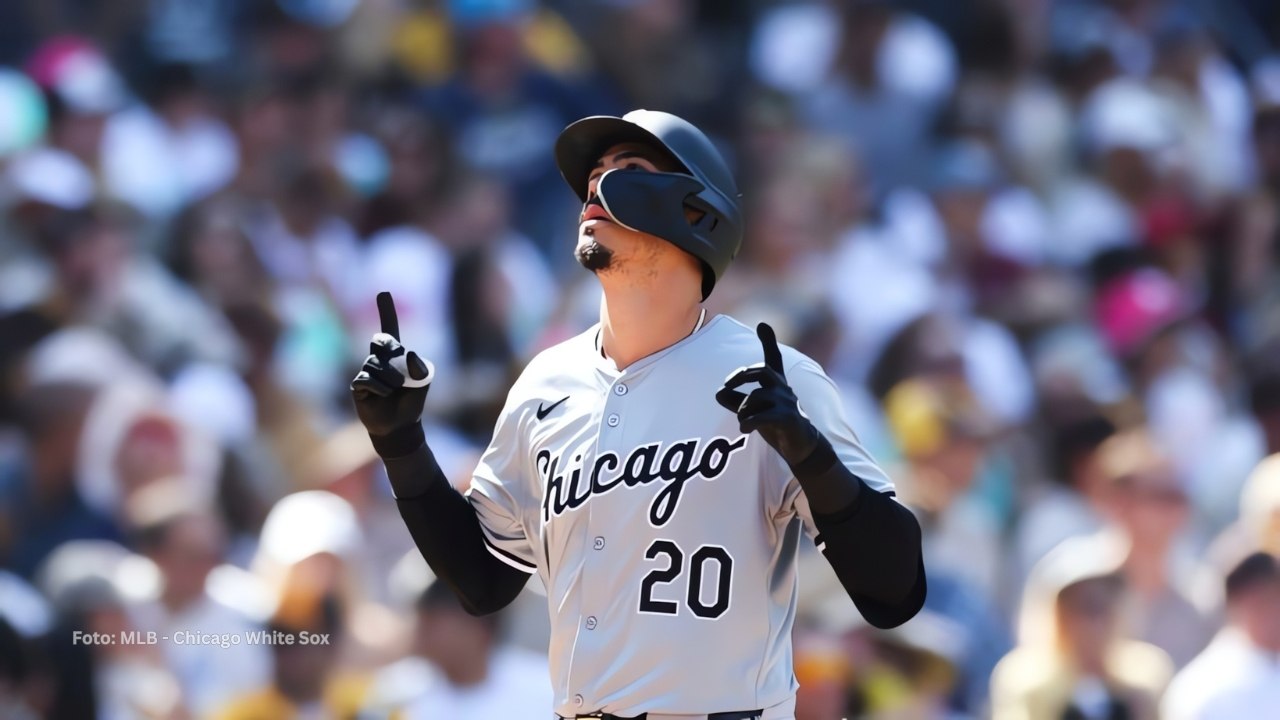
(390, 390)
(771, 409)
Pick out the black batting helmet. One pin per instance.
(655, 202)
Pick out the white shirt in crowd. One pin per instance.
(518, 687)
(209, 674)
(1231, 679)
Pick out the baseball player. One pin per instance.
(660, 470)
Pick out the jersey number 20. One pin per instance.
(719, 602)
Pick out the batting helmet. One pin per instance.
(655, 202)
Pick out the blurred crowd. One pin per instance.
(1036, 242)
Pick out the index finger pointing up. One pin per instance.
(772, 354)
(387, 315)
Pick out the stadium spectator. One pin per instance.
(1171, 603)
(1071, 506)
(102, 662)
(944, 438)
(474, 674)
(503, 112)
(1237, 675)
(306, 682)
(43, 508)
(186, 543)
(1072, 660)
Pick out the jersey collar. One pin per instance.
(604, 363)
(702, 317)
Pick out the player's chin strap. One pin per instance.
(702, 317)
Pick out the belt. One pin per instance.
(736, 715)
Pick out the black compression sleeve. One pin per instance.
(828, 490)
(872, 542)
(447, 532)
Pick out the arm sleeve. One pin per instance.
(475, 543)
(873, 543)
(448, 534)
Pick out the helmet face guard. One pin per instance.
(655, 203)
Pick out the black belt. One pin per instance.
(736, 715)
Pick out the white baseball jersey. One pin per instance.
(666, 538)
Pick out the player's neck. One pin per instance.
(636, 322)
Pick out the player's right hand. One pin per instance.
(772, 408)
(390, 390)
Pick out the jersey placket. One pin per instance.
(596, 600)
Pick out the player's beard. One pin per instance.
(593, 256)
(635, 258)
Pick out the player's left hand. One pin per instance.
(772, 409)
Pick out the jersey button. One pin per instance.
(598, 544)
(577, 700)
(619, 389)
(591, 622)
(613, 420)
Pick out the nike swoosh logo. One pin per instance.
(544, 411)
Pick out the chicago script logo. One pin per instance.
(681, 462)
